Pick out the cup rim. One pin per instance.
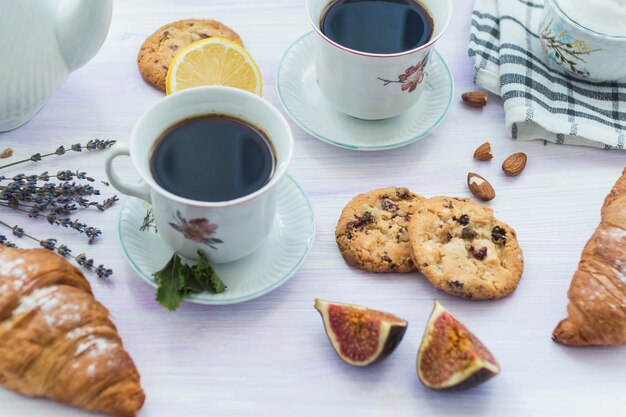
(205, 91)
(578, 25)
(427, 45)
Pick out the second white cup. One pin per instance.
(374, 86)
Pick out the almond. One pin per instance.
(514, 164)
(483, 153)
(475, 99)
(480, 187)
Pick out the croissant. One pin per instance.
(57, 341)
(597, 294)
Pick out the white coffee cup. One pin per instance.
(374, 86)
(225, 231)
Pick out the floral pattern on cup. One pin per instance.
(198, 230)
(412, 76)
(563, 49)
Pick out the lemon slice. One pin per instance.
(213, 61)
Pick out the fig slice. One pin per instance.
(360, 336)
(450, 356)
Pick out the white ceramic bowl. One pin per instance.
(579, 51)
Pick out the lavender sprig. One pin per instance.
(59, 204)
(51, 244)
(66, 175)
(92, 145)
(66, 188)
(91, 232)
(54, 201)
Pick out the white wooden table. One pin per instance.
(270, 357)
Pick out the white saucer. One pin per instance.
(302, 100)
(266, 269)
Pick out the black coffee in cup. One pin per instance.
(212, 158)
(377, 26)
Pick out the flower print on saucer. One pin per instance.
(304, 103)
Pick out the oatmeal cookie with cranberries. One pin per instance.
(159, 49)
(464, 250)
(372, 230)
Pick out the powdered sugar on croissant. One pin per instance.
(597, 294)
(57, 341)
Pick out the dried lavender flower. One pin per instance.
(18, 231)
(108, 203)
(5, 242)
(51, 244)
(99, 144)
(64, 251)
(81, 258)
(94, 144)
(103, 272)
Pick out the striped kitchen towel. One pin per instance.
(539, 102)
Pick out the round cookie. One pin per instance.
(157, 51)
(463, 250)
(372, 230)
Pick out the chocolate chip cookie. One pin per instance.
(157, 51)
(463, 250)
(372, 230)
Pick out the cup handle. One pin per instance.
(139, 189)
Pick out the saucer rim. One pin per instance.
(196, 299)
(366, 148)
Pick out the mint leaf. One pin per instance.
(217, 284)
(177, 281)
(195, 283)
(206, 274)
(170, 280)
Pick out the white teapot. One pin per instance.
(42, 41)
